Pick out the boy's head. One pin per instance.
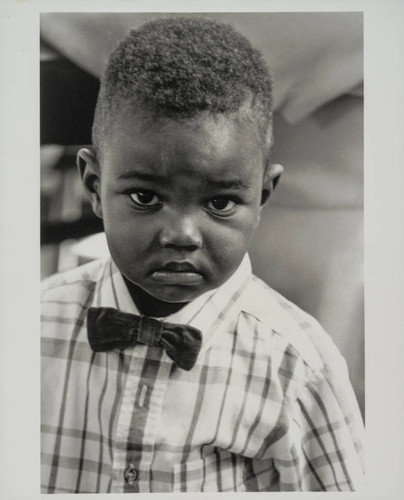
(182, 136)
(179, 67)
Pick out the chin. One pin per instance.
(177, 296)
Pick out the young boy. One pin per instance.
(232, 388)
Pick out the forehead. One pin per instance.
(202, 145)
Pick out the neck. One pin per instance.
(149, 305)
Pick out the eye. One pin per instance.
(145, 199)
(222, 205)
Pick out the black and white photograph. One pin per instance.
(209, 307)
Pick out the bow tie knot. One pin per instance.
(111, 329)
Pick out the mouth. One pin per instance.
(177, 273)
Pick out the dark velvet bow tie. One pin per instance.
(111, 329)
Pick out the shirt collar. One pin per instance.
(213, 309)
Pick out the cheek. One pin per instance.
(230, 243)
(128, 237)
(226, 257)
(119, 220)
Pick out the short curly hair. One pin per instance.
(177, 67)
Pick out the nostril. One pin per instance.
(180, 247)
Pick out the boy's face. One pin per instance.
(179, 201)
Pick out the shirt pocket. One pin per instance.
(220, 471)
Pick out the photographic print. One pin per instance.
(207, 234)
(267, 404)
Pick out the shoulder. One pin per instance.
(73, 284)
(65, 299)
(291, 333)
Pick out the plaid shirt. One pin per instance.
(267, 407)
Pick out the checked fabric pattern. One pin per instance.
(267, 407)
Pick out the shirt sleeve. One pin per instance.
(322, 448)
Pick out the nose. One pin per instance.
(182, 232)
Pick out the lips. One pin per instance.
(177, 273)
(180, 267)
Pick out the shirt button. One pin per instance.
(130, 474)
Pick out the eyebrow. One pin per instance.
(229, 184)
(218, 184)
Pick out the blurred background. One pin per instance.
(309, 245)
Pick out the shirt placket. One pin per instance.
(140, 410)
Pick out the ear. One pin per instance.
(89, 170)
(271, 178)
